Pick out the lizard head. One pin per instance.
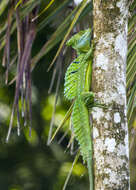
(80, 41)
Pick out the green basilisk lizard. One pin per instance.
(76, 87)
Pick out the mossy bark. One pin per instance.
(110, 130)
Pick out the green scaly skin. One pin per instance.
(77, 84)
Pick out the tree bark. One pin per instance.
(110, 130)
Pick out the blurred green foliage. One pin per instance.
(27, 163)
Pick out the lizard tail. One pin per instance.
(90, 172)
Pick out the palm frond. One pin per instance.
(131, 62)
(52, 15)
(78, 13)
(55, 38)
(60, 32)
(23, 13)
(49, 4)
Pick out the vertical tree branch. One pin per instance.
(110, 130)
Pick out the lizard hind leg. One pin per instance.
(88, 98)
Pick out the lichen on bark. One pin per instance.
(110, 136)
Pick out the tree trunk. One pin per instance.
(110, 130)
